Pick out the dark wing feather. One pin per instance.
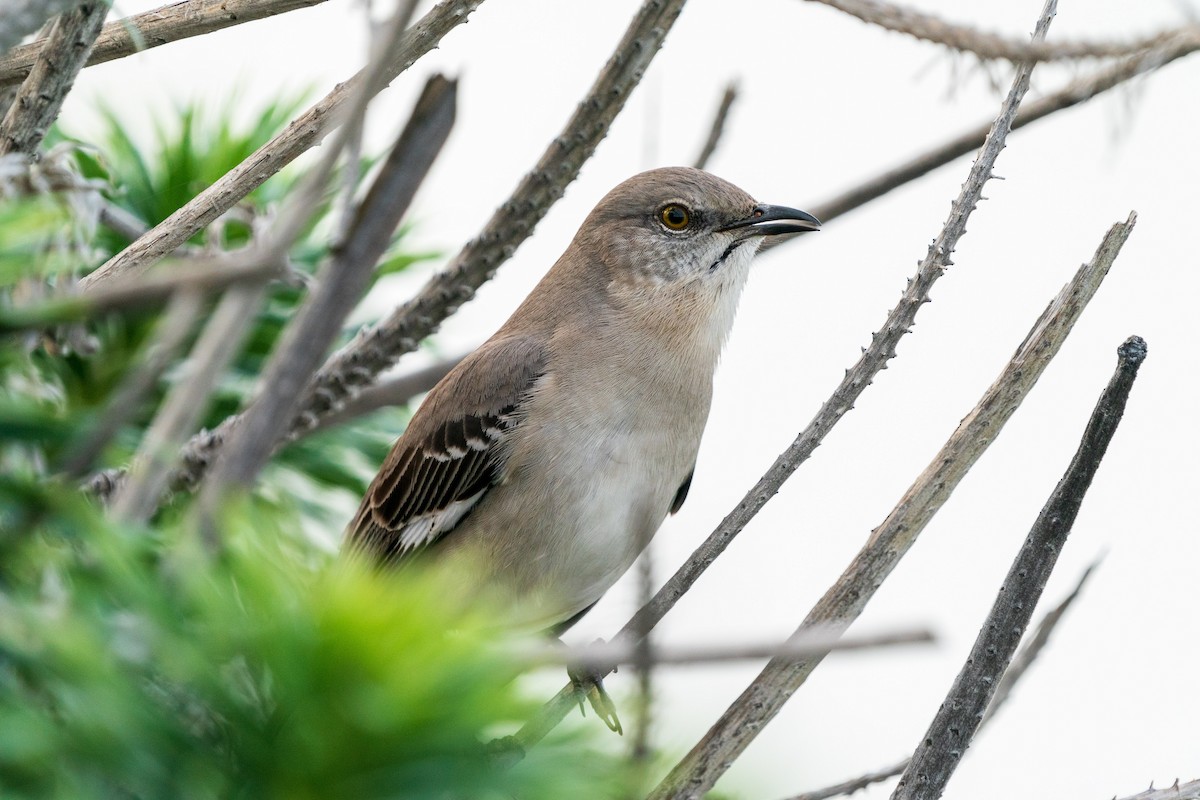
(451, 453)
(682, 492)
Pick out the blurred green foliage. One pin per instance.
(132, 665)
(151, 177)
(135, 663)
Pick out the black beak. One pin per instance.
(771, 220)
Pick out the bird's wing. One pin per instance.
(451, 454)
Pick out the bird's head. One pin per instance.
(680, 224)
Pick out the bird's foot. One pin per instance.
(589, 683)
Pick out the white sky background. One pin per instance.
(825, 103)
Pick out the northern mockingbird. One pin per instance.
(552, 454)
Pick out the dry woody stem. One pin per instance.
(199, 275)
(163, 25)
(954, 725)
(718, 126)
(41, 95)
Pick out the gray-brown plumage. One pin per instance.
(552, 454)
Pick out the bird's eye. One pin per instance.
(675, 217)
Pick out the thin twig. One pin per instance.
(954, 726)
(340, 286)
(200, 275)
(377, 348)
(1016, 670)
(609, 654)
(181, 410)
(643, 657)
(41, 95)
(857, 378)
(163, 25)
(888, 543)
(302, 133)
(718, 126)
(169, 334)
(964, 38)
(122, 221)
(394, 392)
(855, 784)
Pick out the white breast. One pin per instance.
(602, 451)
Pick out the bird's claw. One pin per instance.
(589, 683)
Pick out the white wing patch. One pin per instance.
(424, 529)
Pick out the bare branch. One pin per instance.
(930, 28)
(608, 655)
(954, 726)
(888, 543)
(201, 275)
(394, 392)
(304, 132)
(1033, 648)
(20, 18)
(718, 126)
(122, 221)
(163, 25)
(851, 786)
(1016, 670)
(340, 286)
(1178, 791)
(41, 95)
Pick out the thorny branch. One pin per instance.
(888, 543)
(1177, 791)
(931, 28)
(1016, 670)
(954, 726)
